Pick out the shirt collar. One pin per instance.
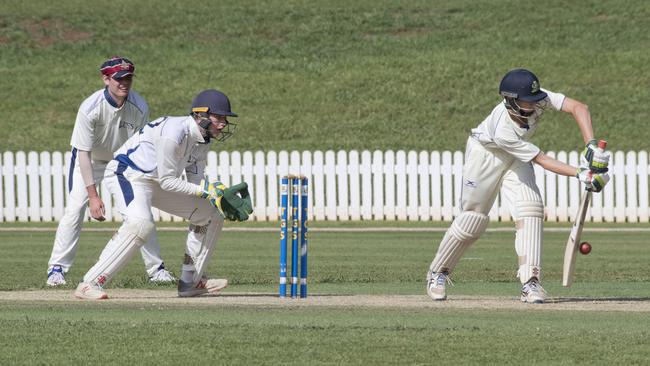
(195, 130)
(110, 99)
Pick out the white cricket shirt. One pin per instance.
(101, 127)
(500, 130)
(163, 149)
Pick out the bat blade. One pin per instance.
(573, 242)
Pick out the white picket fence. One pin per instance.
(343, 185)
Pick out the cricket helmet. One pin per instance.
(212, 101)
(521, 84)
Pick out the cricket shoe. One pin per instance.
(437, 285)
(55, 277)
(205, 286)
(87, 291)
(532, 292)
(162, 276)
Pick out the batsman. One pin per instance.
(148, 169)
(499, 158)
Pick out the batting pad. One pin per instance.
(129, 238)
(201, 241)
(462, 233)
(530, 224)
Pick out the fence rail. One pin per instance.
(343, 185)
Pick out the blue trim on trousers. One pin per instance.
(125, 185)
(73, 160)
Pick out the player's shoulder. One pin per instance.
(93, 102)
(138, 101)
(498, 119)
(498, 112)
(173, 127)
(554, 99)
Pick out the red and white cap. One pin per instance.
(117, 67)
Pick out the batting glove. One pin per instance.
(594, 158)
(594, 182)
(598, 181)
(584, 175)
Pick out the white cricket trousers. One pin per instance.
(488, 171)
(66, 240)
(137, 194)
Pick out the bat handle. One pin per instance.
(602, 144)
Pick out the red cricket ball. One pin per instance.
(585, 247)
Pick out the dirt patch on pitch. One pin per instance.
(167, 297)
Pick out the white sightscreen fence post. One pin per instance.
(344, 185)
(355, 189)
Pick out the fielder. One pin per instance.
(105, 120)
(148, 171)
(499, 156)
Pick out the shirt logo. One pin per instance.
(469, 183)
(125, 124)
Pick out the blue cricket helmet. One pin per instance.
(521, 84)
(212, 101)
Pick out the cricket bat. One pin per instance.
(573, 243)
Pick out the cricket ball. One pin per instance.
(585, 248)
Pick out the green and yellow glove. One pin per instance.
(213, 192)
(232, 203)
(236, 202)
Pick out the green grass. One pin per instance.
(234, 335)
(330, 74)
(349, 262)
(340, 263)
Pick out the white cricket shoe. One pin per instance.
(205, 286)
(162, 276)
(87, 291)
(437, 285)
(55, 277)
(532, 292)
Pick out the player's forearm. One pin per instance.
(92, 191)
(555, 166)
(178, 185)
(581, 114)
(583, 118)
(86, 168)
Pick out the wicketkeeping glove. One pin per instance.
(594, 158)
(236, 202)
(213, 192)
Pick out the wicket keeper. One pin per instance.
(148, 169)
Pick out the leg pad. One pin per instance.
(464, 231)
